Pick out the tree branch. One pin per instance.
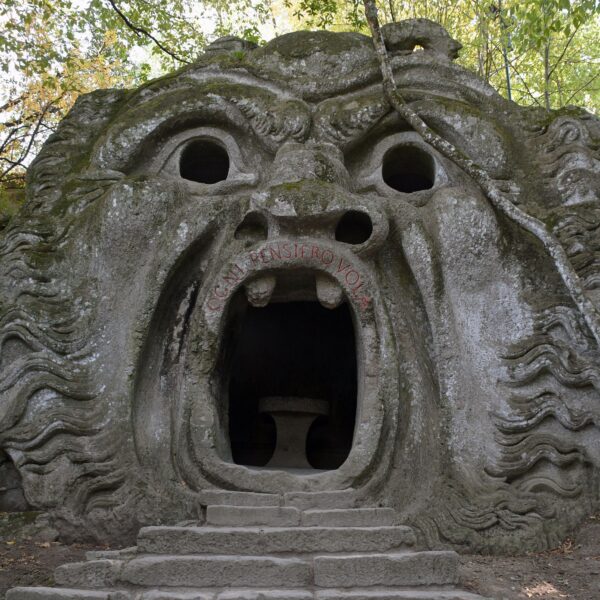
(23, 155)
(140, 31)
(10, 136)
(497, 198)
(12, 103)
(583, 87)
(562, 54)
(518, 74)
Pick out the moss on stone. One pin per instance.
(11, 201)
(11, 523)
(305, 43)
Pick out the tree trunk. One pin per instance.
(505, 41)
(547, 75)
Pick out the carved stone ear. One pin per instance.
(404, 36)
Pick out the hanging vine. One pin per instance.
(497, 197)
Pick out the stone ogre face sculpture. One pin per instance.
(251, 275)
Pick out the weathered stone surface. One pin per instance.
(261, 223)
(214, 571)
(46, 593)
(349, 517)
(122, 553)
(11, 488)
(242, 594)
(93, 573)
(423, 32)
(177, 595)
(404, 569)
(288, 594)
(274, 540)
(223, 497)
(329, 500)
(394, 594)
(275, 516)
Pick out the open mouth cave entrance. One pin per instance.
(292, 385)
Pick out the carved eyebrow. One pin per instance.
(278, 122)
(272, 118)
(344, 120)
(274, 114)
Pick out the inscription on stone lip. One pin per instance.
(279, 253)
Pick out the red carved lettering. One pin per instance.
(219, 295)
(329, 259)
(352, 274)
(214, 304)
(315, 252)
(364, 302)
(360, 284)
(234, 275)
(287, 252)
(341, 267)
(273, 253)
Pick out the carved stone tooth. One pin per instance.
(260, 289)
(329, 292)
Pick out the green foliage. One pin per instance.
(51, 51)
(541, 52)
(11, 199)
(552, 38)
(546, 52)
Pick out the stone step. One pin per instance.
(272, 540)
(399, 569)
(247, 516)
(321, 500)
(279, 516)
(394, 594)
(393, 569)
(91, 573)
(217, 571)
(218, 497)
(326, 500)
(250, 594)
(349, 517)
(45, 593)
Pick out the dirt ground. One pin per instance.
(571, 571)
(28, 557)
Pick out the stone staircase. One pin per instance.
(245, 551)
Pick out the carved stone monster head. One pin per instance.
(252, 275)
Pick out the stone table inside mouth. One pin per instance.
(293, 417)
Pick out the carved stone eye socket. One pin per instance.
(204, 161)
(408, 169)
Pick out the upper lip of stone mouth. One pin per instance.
(284, 270)
(293, 286)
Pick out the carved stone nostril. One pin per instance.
(355, 227)
(253, 228)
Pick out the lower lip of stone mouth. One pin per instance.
(288, 369)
